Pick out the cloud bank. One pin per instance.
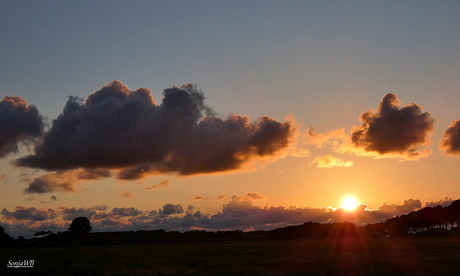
(116, 128)
(239, 213)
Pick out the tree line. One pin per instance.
(438, 221)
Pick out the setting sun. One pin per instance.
(349, 203)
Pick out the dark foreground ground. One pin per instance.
(425, 256)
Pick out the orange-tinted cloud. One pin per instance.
(330, 161)
(450, 142)
(393, 131)
(125, 194)
(116, 128)
(63, 181)
(161, 184)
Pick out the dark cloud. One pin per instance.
(19, 122)
(169, 209)
(394, 130)
(116, 128)
(70, 214)
(125, 212)
(450, 142)
(63, 181)
(31, 213)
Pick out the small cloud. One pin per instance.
(330, 161)
(200, 197)
(250, 196)
(63, 181)
(125, 194)
(221, 197)
(161, 184)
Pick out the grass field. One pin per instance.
(297, 257)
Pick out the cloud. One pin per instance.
(169, 209)
(450, 142)
(19, 122)
(250, 196)
(125, 194)
(32, 213)
(200, 197)
(63, 181)
(393, 131)
(330, 161)
(334, 137)
(70, 214)
(162, 184)
(125, 212)
(116, 128)
(443, 202)
(236, 214)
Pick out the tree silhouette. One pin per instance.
(80, 229)
(5, 239)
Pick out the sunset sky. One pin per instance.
(225, 114)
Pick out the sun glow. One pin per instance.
(349, 203)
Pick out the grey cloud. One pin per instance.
(394, 130)
(31, 213)
(125, 212)
(19, 122)
(116, 128)
(63, 181)
(450, 142)
(169, 209)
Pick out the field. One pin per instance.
(295, 257)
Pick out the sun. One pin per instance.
(349, 203)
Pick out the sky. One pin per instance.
(217, 115)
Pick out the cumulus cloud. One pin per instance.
(330, 161)
(116, 128)
(63, 181)
(450, 142)
(169, 209)
(19, 122)
(393, 130)
(162, 184)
